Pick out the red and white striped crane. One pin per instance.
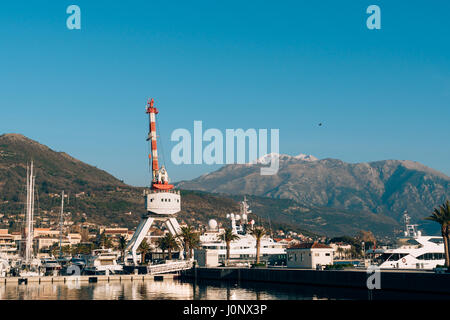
(160, 178)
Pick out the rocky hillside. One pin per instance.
(94, 195)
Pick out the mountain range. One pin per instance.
(308, 195)
(385, 188)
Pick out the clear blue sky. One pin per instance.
(380, 94)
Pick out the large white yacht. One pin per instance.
(243, 250)
(419, 252)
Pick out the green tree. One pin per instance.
(258, 233)
(144, 247)
(441, 215)
(367, 237)
(228, 237)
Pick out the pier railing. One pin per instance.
(170, 267)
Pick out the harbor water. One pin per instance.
(174, 289)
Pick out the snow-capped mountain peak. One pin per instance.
(270, 156)
(306, 157)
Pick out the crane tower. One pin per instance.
(162, 201)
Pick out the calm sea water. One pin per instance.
(178, 290)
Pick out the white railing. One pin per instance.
(170, 267)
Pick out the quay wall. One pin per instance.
(389, 280)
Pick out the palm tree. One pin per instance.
(103, 241)
(122, 246)
(229, 236)
(190, 239)
(441, 215)
(258, 233)
(340, 251)
(171, 244)
(348, 253)
(195, 242)
(144, 248)
(162, 244)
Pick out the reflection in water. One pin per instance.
(200, 290)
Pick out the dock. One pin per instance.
(87, 278)
(395, 280)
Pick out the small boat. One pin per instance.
(103, 262)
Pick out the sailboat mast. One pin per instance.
(27, 221)
(30, 209)
(61, 224)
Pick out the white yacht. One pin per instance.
(4, 266)
(50, 266)
(419, 252)
(103, 261)
(243, 250)
(31, 268)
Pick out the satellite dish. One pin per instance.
(228, 215)
(212, 224)
(232, 216)
(238, 217)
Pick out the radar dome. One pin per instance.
(212, 224)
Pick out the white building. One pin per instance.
(340, 249)
(309, 255)
(207, 258)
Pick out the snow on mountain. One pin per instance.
(266, 159)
